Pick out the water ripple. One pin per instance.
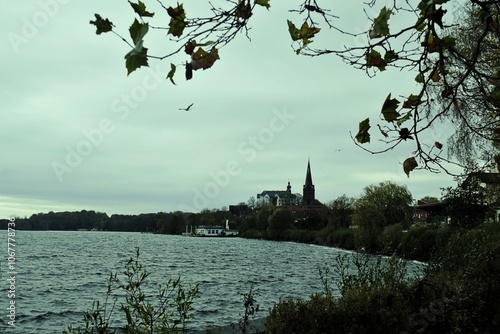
(61, 274)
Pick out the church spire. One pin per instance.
(308, 190)
(309, 181)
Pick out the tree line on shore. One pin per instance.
(380, 220)
(458, 293)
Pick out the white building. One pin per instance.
(214, 231)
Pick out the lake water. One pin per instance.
(59, 274)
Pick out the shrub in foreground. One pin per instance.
(373, 300)
(167, 313)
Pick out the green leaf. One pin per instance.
(140, 8)
(448, 42)
(264, 3)
(374, 58)
(138, 31)
(177, 20)
(102, 25)
(404, 119)
(136, 59)
(435, 77)
(412, 101)
(171, 73)
(380, 25)
(363, 136)
(294, 32)
(389, 109)
(307, 32)
(420, 24)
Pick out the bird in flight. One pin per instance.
(187, 108)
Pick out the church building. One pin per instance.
(286, 197)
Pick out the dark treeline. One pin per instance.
(161, 222)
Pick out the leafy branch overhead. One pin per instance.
(452, 46)
(200, 38)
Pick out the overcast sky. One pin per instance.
(77, 133)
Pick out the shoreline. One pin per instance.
(255, 326)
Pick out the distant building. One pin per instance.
(214, 231)
(287, 198)
(423, 211)
(487, 184)
(308, 192)
(278, 197)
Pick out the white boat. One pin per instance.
(211, 231)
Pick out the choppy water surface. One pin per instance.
(60, 274)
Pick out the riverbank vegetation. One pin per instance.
(458, 293)
(129, 306)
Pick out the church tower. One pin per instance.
(308, 190)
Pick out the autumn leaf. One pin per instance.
(138, 31)
(403, 119)
(363, 136)
(305, 33)
(177, 20)
(203, 59)
(293, 31)
(405, 134)
(419, 78)
(135, 59)
(447, 92)
(189, 71)
(412, 101)
(448, 42)
(437, 16)
(102, 25)
(431, 43)
(389, 109)
(138, 56)
(409, 165)
(390, 56)
(243, 10)
(374, 58)
(140, 8)
(171, 73)
(380, 25)
(189, 47)
(435, 77)
(264, 3)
